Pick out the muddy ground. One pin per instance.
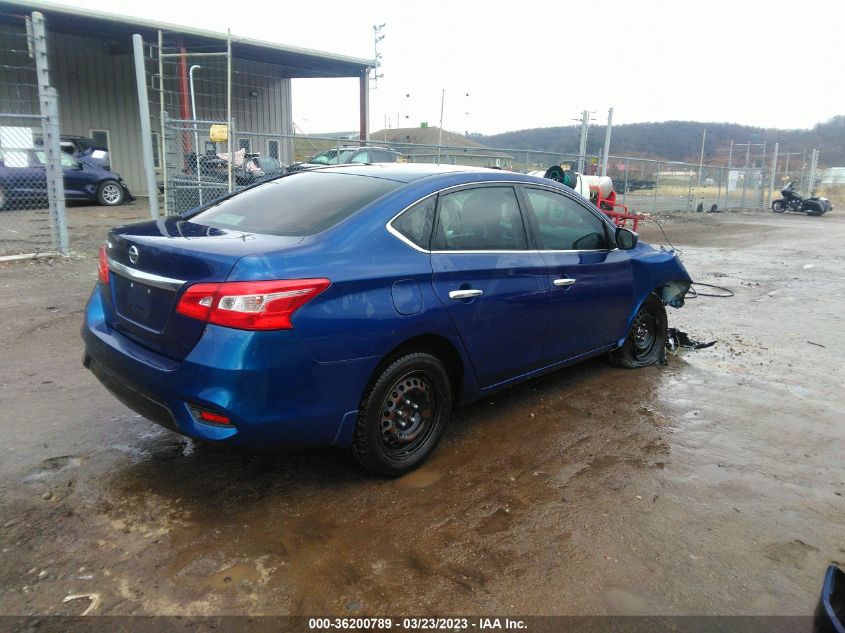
(711, 485)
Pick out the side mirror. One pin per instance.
(626, 239)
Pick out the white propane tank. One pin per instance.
(602, 183)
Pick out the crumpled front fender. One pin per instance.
(660, 272)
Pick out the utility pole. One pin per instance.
(607, 141)
(701, 159)
(582, 148)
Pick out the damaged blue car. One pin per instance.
(356, 305)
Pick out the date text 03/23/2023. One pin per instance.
(416, 624)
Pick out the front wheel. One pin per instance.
(402, 415)
(646, 341)
(110, 193)
(778, 206)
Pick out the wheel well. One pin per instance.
(433, 344)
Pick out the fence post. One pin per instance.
(689, 194)
(772, 175)
(719, 191)
(49, 107)
(146, 131)
(625, 191)
(656, 187)
(55, 175)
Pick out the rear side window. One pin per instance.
(303, 203)
(483, 218)
(565, 225)
(416, 222)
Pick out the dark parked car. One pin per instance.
(23, 180)
(84, 149)
(353, 154)
(354, 306)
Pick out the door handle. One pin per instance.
(465, 294)
(563, 282)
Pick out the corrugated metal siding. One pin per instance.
(18, 86)
(96, 85)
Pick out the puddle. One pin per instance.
(421, 478)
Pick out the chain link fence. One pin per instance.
(31, 186)
(643, 185)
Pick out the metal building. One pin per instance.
(91, 65)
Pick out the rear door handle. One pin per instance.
(563, 282)
(465, 294)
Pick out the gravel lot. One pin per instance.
(711, 485)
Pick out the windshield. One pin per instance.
(303, 203)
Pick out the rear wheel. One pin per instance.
(110, 193)
(646, 340)
(402, 415)
(778, 206)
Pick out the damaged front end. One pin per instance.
(660, 272)
(674, 292)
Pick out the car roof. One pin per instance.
(409, 172)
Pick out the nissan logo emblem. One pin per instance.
(133, 254)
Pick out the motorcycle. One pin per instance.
(792, 201)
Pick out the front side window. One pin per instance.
(67, 161)
(564, 225)
(479, 219)
(416, 222)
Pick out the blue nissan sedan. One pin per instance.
(355, 306)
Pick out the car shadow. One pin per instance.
(198, 473)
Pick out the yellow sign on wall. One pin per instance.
(220, 133)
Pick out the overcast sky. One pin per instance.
(509, 65)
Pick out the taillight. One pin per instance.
(250, 305)
(103, 265)
(210, 417)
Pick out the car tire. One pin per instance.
(646, 341)
(402, 415)
(778, 206)
(2, 199)
(110, 193)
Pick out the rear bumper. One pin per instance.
(273, 391)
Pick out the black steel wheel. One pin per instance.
(402, 415)
(778, 206)
(646, 340)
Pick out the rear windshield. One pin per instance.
(304, 203)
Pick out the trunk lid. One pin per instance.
(153, 262)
